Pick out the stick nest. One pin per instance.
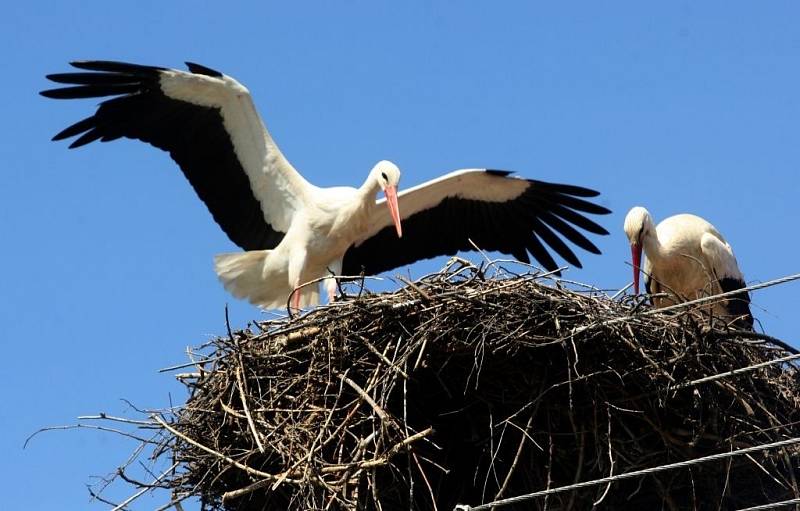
(464, 389)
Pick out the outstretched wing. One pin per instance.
(209, 125)
(494, 210)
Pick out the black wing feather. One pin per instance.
(90, 78)
(555, 242)
(568, 231)
(203, 70)
(88, 137)
(541, 254)
(738, 305)
(577, 191)
(649, 288)
(193, 135)
(578, 204)
(541, 214)
(76, 129)
(112, 66)
(91, 91)
(572, 217)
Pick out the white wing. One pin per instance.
(720, 258)
(719, 255)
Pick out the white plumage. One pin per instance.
(295, 232)
(687, 258)
(329, 221)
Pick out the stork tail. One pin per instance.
(247, 275)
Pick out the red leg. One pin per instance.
(296, 299)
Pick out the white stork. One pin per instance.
(687, 258)
(295, 232)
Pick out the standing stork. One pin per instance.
(687, 258)
(293, 231)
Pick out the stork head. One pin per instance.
(387, 175)
(638, 226)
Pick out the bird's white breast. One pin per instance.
(334, 219)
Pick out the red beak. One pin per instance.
(636, 255)
(391, 201)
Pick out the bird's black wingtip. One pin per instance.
(203, 70)
(91, 65)
(500, 173)
(114, 66)
(577, 191)
(82, 141)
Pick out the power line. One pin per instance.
(628, 475)
(772, 505)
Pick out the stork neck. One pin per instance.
(652, 247)
(369, 190)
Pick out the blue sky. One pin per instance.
(107, 252)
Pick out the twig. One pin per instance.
(124, 420)
(243, 398)
(517, 457)
(746, 334)
(234, 494)
(361, 392)
(144, 490)
(415, 287)
(227, 325)
(240, 466)
(85, 426)
(383, 357)
(610, 460)
(190, 364)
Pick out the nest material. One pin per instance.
(463, 389)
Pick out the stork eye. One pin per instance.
(384, 176)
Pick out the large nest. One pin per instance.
(464, 389)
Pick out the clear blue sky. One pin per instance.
(107, 252)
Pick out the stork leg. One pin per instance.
(296, 298)
(297, 262)
(331, 284)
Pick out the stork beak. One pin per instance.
(636, 256)
(391, 201)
